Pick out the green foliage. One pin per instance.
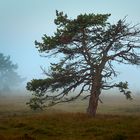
(123, 88)
(67, 29)
(36, 103)
(39, 85)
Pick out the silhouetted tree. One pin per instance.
(8, 75)
(87, 48)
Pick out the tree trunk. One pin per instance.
(95, 91)
(94, 97)
(93, 104)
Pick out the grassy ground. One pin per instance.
(116, 119)
(70, 126)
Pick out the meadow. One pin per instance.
(117, 119)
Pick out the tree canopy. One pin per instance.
(8, 75)
(87, 48)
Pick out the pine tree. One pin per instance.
(87, 47)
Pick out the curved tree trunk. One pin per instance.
(93, 104)
(94, 96)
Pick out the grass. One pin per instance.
(70, 126)
(63, 122)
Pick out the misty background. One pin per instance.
(23, 22)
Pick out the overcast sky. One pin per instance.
(24, 21)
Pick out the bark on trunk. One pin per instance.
(94, 97)
(93, 104)
(95, 91)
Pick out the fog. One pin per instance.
(23, 22)
(21, 115)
